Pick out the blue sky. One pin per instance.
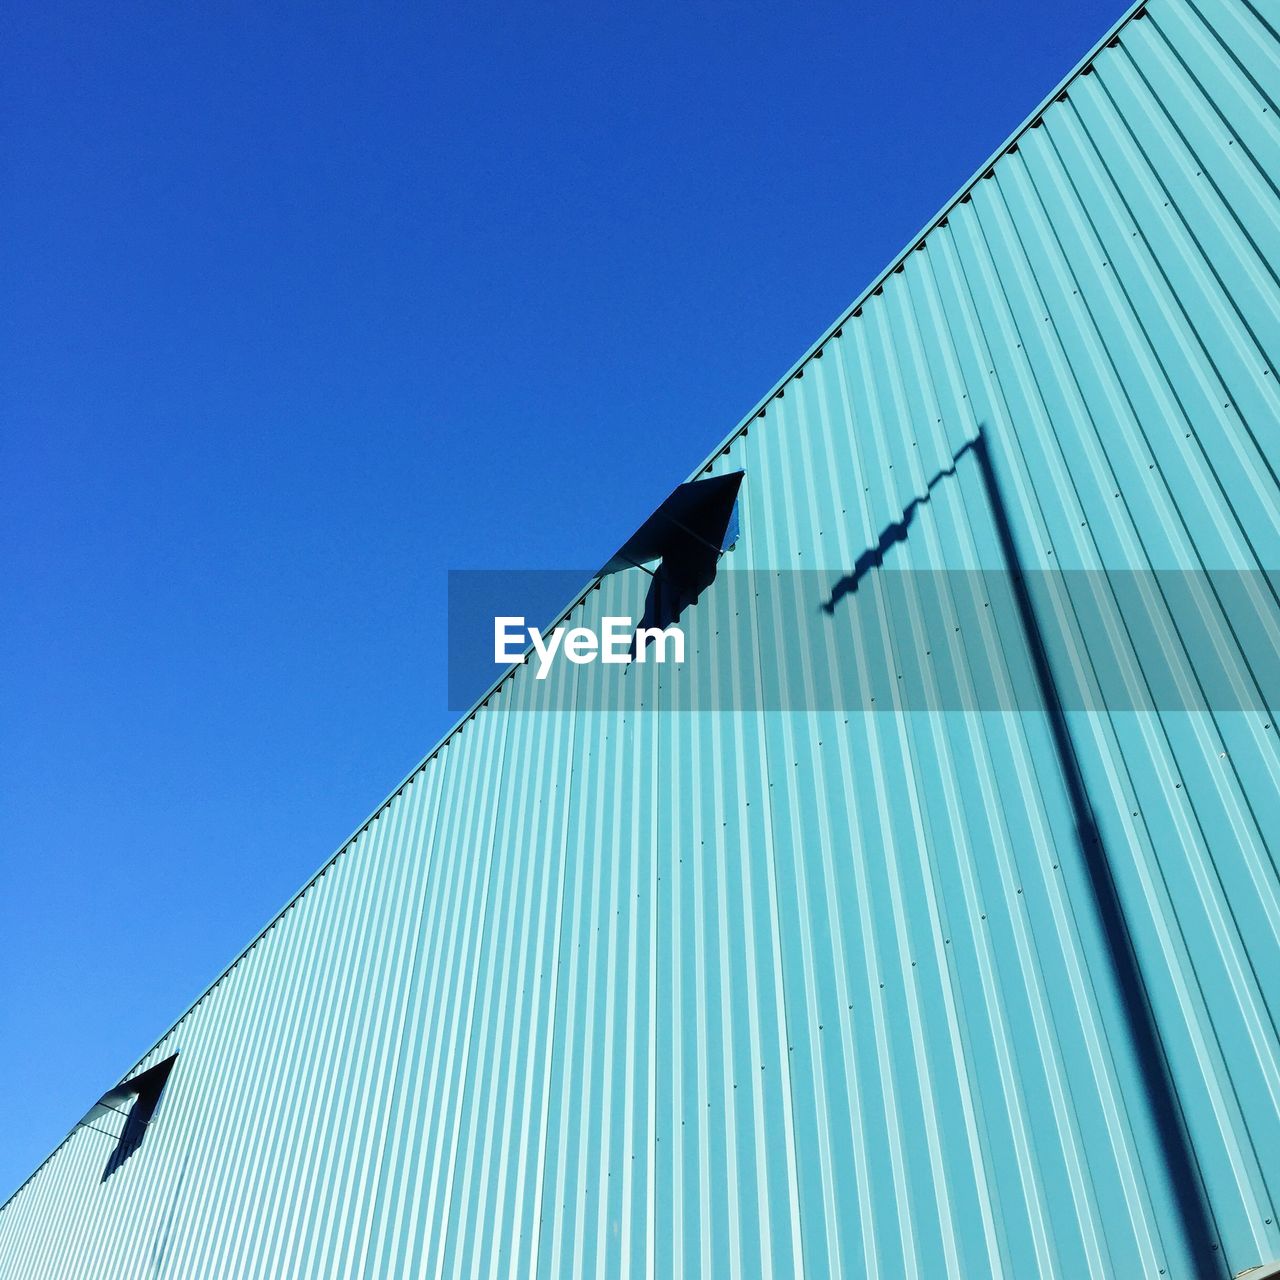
(305, 306)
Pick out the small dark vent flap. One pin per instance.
(125, 1112)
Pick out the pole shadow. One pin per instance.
(1196, 1226)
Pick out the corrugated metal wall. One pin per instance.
(860, 992)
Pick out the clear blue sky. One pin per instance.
(300, 311)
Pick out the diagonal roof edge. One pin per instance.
(1136, 9)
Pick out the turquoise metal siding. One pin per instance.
(782, 992)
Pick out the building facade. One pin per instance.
(975, 985)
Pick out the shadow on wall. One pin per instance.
(873, 557)
(1199, 1235)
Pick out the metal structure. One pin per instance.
(879, 992)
